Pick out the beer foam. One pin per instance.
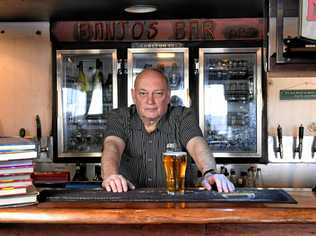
(174, 153)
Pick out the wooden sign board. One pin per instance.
(158, 30)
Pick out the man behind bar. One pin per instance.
(137, 136)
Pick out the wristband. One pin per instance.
(211, 171)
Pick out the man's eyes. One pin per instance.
(156, 94)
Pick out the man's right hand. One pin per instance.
(117, 183)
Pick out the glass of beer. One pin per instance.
(175, 164)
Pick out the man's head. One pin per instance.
(151, 95)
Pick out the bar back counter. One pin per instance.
(83, 217)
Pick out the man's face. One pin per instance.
(151, 96)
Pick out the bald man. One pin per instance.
(137, 136)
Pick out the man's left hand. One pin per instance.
(222, 183)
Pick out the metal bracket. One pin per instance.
(196, 66)
(119, 66)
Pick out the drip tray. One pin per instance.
(160, 195)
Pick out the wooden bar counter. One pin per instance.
(105, 218)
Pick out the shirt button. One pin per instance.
(150, 141)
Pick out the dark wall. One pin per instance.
(291, 8)
(50, 10)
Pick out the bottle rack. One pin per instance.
(235, 75)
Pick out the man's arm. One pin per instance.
(203, 157)
(113, 148)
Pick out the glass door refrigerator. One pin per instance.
(231, 103)
(86, 92)
(173, 62)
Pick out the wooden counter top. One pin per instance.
(158, 213)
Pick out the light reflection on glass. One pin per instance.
(215, 103)
(216, 108)
(96, 105)
(74, 102)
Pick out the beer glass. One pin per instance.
(175, 164)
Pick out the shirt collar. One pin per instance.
(136, 122)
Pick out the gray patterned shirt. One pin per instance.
(141, 161)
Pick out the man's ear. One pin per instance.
(133, 95)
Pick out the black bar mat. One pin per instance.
(160, 195)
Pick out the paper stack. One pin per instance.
(16, 168)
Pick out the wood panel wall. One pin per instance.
(25, 77)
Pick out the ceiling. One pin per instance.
(46, 10)
(50, 10)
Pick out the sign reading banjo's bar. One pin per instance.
(159, 30)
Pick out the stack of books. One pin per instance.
(16, 168)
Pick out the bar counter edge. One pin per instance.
(166, 213)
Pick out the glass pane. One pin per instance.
(86, 94)
(230, 102)
(171, 64)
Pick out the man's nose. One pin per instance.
(150, 99)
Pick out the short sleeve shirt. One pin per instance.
(141, 161)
